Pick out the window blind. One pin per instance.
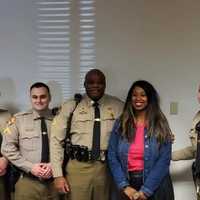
(57, 44)
(87, 38)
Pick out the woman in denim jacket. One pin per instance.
(139, 151)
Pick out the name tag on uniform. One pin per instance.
(29, 129)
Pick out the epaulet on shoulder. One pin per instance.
(117, 99)
(114, 98)
(22, 113)
(70, 101)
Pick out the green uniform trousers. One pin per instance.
(198, 192)
(197, 187)
(5, 193)
(88, 180)
(30, 189)
(2, 188)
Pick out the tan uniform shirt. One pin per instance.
(22, 139)
(190, 151)
(82, 126)
(4, 117)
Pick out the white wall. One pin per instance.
(155, 40)
(17, 51)
(158, 41)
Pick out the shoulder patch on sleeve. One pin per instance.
(7, 130)
(10, 122)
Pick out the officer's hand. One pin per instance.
(3, 165)
(48, 170)
(61, 184)
(37, 170)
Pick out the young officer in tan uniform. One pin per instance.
(87, 177)
(190, 151)
(25, 145)
(4, 117)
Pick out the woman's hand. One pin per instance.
(130, 192)
(142, 196)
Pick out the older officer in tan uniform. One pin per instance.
(87, 173)
(190, 152)
(25, 145)
(4, 117)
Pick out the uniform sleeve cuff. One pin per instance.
(57, 172)
(28, 167)
(123, 184)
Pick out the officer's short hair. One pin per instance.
(40, 84)
(97, 72)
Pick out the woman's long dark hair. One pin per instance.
(157, 123)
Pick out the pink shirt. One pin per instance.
(136, 150)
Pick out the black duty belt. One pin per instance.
(41, 180)
(83, 154)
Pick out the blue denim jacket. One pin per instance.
(156, 160)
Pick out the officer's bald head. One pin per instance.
(95, 84)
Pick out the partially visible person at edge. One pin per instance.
(190, 152)
(25, 145)
(87, 178)
(139, 151)
(4, 192)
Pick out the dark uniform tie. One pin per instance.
(45, 142)
(197, 127)
(0, 142)
(96, 133)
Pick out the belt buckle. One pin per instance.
(197, 189)
(40, 179)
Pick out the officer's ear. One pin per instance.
(84, 84)
(49, 97)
